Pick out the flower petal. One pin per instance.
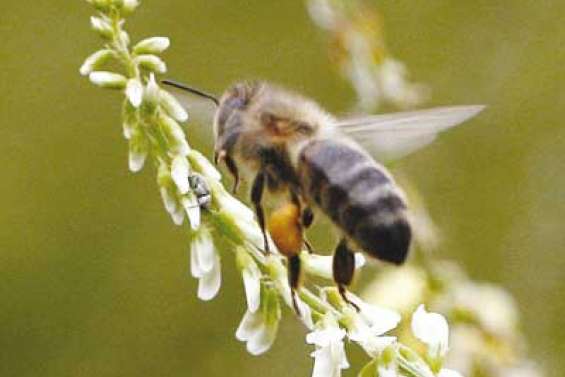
(205, 251)
(195, 269)
(262, 340)
(169, 200)
(192, 209)
(305, 313)
(136, 159)
(323, 363)
(179, 173)
(134, 92)
(252, 284)
(432, 329)
(209, 284)
(449, 373)
(250, 324)
(178, 216)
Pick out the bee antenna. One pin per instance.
(187, 88)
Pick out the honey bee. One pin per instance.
(286, 144)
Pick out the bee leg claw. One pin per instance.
(308, 247)
(343, 294)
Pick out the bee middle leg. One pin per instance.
(294, 276)
(306, 219)
(256, 196)
(343, 269)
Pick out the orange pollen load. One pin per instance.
(286, 232)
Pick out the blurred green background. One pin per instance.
(94, 275)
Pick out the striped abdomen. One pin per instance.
(359, 197)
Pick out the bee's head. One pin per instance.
(228, 122)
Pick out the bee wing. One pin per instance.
(200, 106)
(392, 136)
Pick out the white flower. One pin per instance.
(169, 199)
(173, 107)
(251, 280)
(153, 45)
(152, 63)
(409, 280)
(379, 319)
(370, 324)
(178, 215)
(108, 80)
(321, 265)
(448, 373)
(329, 356)
(493, 307)
(138, 150)
(130, 5)
(432, 329)
(134, 92)
(192, 209)
(102, 26)
(233, 206)
(151, 94)
(259, 329)
(95, 60)
(205, 265)
(179, 172)
(174, 135)
(204, 166)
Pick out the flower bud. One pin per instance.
(129, 6)
(130, 120)
(134, 92)
(173, 107)
(180, 171)
(108, 80)
(124, 37)
(154, 45)
(95, 60)
(174, 135)
(138, 149)
(204, 166)
(101, 26)
(151, 63)
(151, 95)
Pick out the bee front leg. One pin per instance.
(256, 196)
(343, 269)
(232, 167)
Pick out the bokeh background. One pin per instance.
(94, 277)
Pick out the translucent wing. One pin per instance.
(392, 136)
(199, 105)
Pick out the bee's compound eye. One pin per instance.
(303, 128)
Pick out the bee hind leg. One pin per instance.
(256, 196)
(294, 275)
(343, 269)
(306, 218)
